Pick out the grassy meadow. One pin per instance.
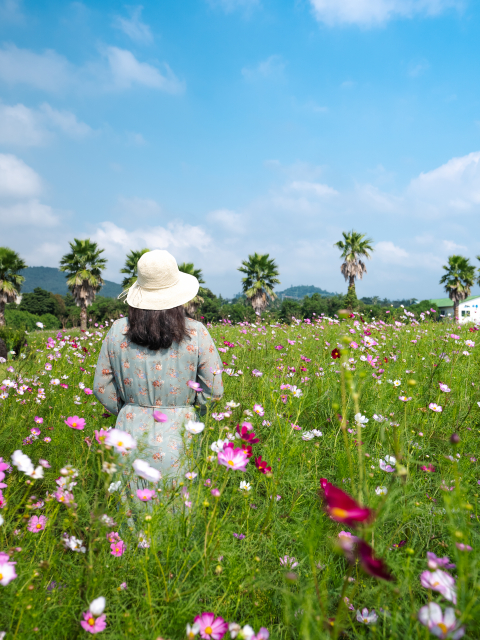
(267, 555)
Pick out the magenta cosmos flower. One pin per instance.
(100, 436)
(194, 385)
(258, 409)
(38, 420)
(37, 523)
(117, 548)
(440, 581)
(93, 625)
(211, 627)
(145, 494)
(435, 407)
(158, 416)
(232, 458)
(74, 422)
(7, 569)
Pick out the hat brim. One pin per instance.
(161, 299)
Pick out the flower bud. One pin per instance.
(454, 438)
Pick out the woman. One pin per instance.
(158, 360)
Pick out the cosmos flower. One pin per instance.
(158, 416)
(7, 569)
(37, 523)
(444, 387)
(381, 491)
(435, 407)
(211, 628)
(145, 494)
(74, 422)
(262, 465)
(370, 564)
(288, 562)
(259, 410)
(232, 458)
(117, 548)
(434, 562)
(244, 434)
(145, 471)
(335, 353)
(120, 440)
(440, 581)
(341, 507)
(194, 427)
(366, 617)
(442, 625)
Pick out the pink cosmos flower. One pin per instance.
(74, 422)
(47, 439)
(7, 569)
(113, 536)
(64, 497)
(101, 435)
(233, 458)
(120, 440)
(45, 464)
(288, 562)
(117, 548)
(404, 398)
(194, 385)
(444, 387)
(258, 409)
(93, 625)
(434, 562)
(215, 493)
(211, 627)
(440, 581)
(435, 407)
(158, 416)
(88, 391)
(442, 625)
(36, 431)
(263, 634)
(38, 420)
(37, 523)
(145, 494)
(463, 547)
(354, 345)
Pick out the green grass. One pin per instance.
(194, 562)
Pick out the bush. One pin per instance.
(15, 339)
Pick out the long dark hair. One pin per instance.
(156, 329)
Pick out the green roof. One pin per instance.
(446, 302)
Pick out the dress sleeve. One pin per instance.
(208, 362)
(105, 386)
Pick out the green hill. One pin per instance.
(302, 290)
(54, 281)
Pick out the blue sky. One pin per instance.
(215, 128)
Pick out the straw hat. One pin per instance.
(160, 285)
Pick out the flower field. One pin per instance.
(332, 493)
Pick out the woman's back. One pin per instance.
(133, 381)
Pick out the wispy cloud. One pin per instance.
(17, 179)
(371, 13)
(272, 67)
(133, 26)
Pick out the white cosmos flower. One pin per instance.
(193, 630)
(194, 427)
(97, 606)
(397, 383)
(317, 433)
(120, 440)
(307, 435)
(145, 471)
(39, 325)
(218, 445)
(359, 419)
(365, 617)
(232, 404)
(245, 486)
(1, 520)
(381, 491)
(22, 462)
(114, 486)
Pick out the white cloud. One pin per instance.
(453, 247)
(389, 253)
(272, 67)
(454, 187)
(369, 13)
(48, 71)
(133, 27)
(28, 213)
(10, 11)
(139, 207)
(312, 188)
(17, 179)
(22, 126)
(126, 71)
(228, 220)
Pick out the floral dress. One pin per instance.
(132, 382)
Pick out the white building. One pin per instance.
(468, 310)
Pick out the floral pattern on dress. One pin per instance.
(159, 381)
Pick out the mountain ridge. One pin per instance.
(54, 280)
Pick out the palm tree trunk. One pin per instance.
(83, 318)
(351, 282)
(455, 312)
(2, 314)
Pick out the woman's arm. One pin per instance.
(104, 385)
(208, 362)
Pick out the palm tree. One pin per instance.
(83, 266)
(260, 277)
(10, 279)
(130, 267)
(353, 247)
(192, 306)
(458, 280)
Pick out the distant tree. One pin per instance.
(83, 266)
(261, 274)
(458, 280)
(314, 306)
(10, 279)
(130, 267)
(354, 246)
(192, 306)
(38, 302)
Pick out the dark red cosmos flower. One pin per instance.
(335, 353)
(367, 332)
(84, 349)
(246, 436)
(262, 465)
(247, 450)
(341, 507)
(386, 359)
(106, 415)
(371, 565)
